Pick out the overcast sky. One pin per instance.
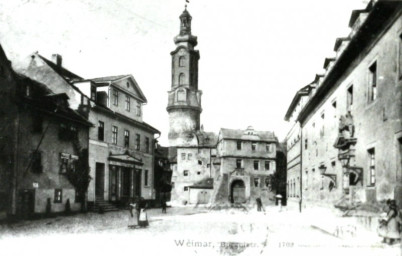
(254, 54)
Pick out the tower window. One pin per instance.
(182, 61)
(181, 79)
(253, 146)
(181, 95)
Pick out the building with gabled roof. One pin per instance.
(121, 144)
(44, 148)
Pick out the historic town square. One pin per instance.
(116, 137)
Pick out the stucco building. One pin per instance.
(351, 126)
(293, 146)
(121, 144)
(44, 147)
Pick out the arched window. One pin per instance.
(181, 79)
(181, 95)
(181, 61)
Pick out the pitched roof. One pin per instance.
(302, 92)
(111, 79)
(245, 135)
(108, 78)
(66, 74)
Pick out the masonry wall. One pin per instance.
(377, 125)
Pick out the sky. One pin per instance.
(255, 54)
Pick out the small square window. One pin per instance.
(238, 163)
(189, 156)
(183, 156)
(199, 162)
(185, 188)
(198, 173)
(185, 173)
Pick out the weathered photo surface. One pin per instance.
(189, 127)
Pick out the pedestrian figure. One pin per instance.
(388, 228)
(133, 217)
(259, 204)
(143, 216)
(164, 205)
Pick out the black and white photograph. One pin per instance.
(200, 127)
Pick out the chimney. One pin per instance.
(57, 59)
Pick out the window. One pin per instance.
(267, 164)
(36, 162)
(189, 156)
(137, 142)
(238, 145)
(238, 163)
(181, 79)
(37, 123)
(183, 156)
(138, 109)
(64, 162)
(181, 61)
(306, 180)
(185, 188)
(268, 147)
(101, 131)
(256, 182)
(199, 162)
(373, 82)
(268, 182)
(181, 95)
(147, 149)
(256, 165)
(146, 178)
(334, 111)
(198, 173)
(27, 90)
(371, 155)
(128, 103)
(115, 97)
(58, 195)
(349, 98)
(253, 146)
(114, 135)
(126, 138)
(305, 144)
(185, 173)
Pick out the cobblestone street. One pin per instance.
(183, 231)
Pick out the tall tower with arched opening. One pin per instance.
(184, 104)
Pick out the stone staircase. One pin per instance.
(104, 206)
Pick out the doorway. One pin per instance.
(238, 192)
(26, 203)
(100, 180)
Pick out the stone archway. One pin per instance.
(238, 192)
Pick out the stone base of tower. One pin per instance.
(183, 123)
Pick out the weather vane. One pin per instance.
(187, 2)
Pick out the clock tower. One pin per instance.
(184, 103)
